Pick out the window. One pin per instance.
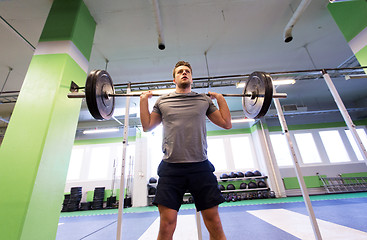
(99, 162)
(75, 163)
(281, 150)
(216, 153)
(243, 156)
(334, 146)
(362, 135)
(154, 150)
(307, 148)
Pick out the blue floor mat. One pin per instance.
(237, 222)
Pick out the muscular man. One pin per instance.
(185, 165)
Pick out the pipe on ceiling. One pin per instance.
(158, 20)
(4, 120)
(18, 34)
(296, 15)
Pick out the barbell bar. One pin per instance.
(251, 95)
(100, 95)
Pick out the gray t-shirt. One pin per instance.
(184, 126)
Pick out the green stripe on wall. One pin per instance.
(229, 132)
(103, 141)
(72, 22)
(362, 56)
(351, 17)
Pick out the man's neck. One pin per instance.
(183, 90)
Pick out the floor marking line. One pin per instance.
(299, 225)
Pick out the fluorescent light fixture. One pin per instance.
(242, 120)
(284, 82)
(240, 84)
(275, 82)
(355, 76)
(101, 130)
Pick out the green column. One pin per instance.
(351, 18)
(37, 145)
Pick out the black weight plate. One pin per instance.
(99, 84)
(260, 85)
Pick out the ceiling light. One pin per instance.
(355, 76)
(284, 82)
(240, 84)
(242, 120)
(102, 130)
(275, 82)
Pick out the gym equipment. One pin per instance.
(240, 174)
(224, 176)
(249, 174)
(238, 197)
(98, 198)
(221, 187)
(230, 187)
(152, 180)
(232, 175)
(100, 94)
(261, 184)
(243, 185)
(272, 194)
(252, 185)
(257, 173)
(152, 190)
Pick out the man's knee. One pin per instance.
(168, 218)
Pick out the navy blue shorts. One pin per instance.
(197, 178)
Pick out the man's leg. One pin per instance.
(213, 223)
(168, 220)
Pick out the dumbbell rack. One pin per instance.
(150, 197)
(247, 193)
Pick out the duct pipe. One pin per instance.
(18, 34)
(297, 14)
(4, 120)
(158, 21)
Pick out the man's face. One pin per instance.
(183, 77)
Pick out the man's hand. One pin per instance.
(146, 95)
(148, 120)
(221, 117)
(214, 95)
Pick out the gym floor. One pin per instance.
(339, 216)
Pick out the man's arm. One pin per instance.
(221, 117)
(148, 120)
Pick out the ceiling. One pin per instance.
(218, 37)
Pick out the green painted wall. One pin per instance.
(103, 141)
(362, 56)
(351, 17)
(70, 20)
(37, 147)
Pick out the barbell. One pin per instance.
(100, 95)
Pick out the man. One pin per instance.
(185, 165)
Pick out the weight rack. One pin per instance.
(344, 184)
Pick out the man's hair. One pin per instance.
(181, 63)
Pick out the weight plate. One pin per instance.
(98, 86)
(260, 85)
